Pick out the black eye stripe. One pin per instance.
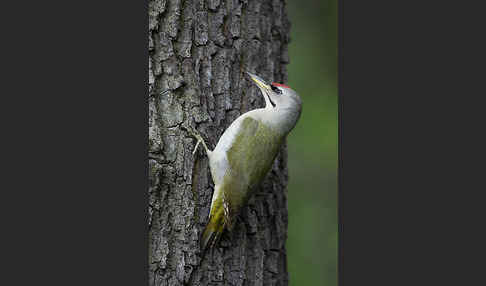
(276, 89)
(271, 102)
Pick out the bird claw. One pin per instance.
(195, 148)
(199, 140)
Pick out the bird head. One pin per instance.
(278, 97)
(282, 104)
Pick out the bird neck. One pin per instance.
(281, 119)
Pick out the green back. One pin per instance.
(250, 158)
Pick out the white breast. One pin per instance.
(218, 161)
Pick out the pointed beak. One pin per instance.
(259, 81)
(265, 89)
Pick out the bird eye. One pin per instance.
(276, 89)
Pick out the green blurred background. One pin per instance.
(313, 144)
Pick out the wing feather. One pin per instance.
(250, 157)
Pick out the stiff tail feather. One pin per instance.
(212, 232)
(209, 238)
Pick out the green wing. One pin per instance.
(250, 158)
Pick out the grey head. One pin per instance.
(282, 103)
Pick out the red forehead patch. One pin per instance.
(279, 84)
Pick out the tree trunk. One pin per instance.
(200, 50)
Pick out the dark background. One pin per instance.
(313, 144)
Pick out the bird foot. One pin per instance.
(199, 140)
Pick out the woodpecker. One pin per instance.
(245, 153)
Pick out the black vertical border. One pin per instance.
(79, 169)
(412, 128)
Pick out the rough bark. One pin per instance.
(199, 50)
